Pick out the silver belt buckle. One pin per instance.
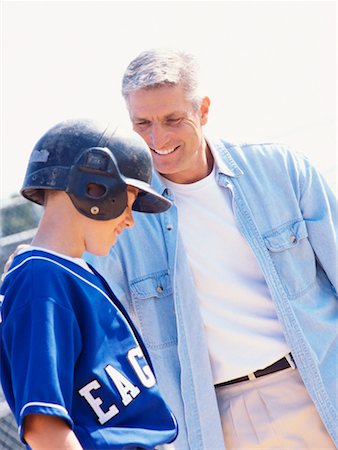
(290, 360)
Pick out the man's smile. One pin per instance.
(166, 151)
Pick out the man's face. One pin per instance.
(173, 131)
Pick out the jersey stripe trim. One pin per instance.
(66, 268)
(2, 297)
(78, 276)
(48, 405)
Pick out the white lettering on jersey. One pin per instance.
(144, 373)
(126, 389)
(95, 402)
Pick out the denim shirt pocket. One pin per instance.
(293, 256)
(152, 296)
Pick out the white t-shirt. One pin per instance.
(241, 325)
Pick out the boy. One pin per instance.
(73, 368)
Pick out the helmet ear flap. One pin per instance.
(97, 168)
(100, 209)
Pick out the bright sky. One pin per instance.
(269, 68)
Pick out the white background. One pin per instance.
(269, 68)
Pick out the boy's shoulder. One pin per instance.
(34, 259)
(39, 273)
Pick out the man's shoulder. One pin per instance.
(258, 154)
(263, 149)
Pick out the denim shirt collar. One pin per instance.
(224, 162)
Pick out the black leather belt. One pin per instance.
(284, 363)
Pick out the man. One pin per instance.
(238, 276)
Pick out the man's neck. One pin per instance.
(191, 176)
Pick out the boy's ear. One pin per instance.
(204, 110)
(96, 190)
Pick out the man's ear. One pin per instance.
(204, 110)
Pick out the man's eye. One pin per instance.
(142, 123)
(174, 121)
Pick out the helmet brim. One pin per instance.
(148, 200)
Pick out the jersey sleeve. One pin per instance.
(41, 342)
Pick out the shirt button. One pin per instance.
(169, 227)
(159, 289)
(293, 239)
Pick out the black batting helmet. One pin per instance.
(76, 153)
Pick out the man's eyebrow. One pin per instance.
(167, 116)
(175, 113)
(135, 118)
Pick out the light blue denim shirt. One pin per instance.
(288, 215)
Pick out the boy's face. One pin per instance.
(172, 128)
(101, 234)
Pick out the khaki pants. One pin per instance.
(271, 412)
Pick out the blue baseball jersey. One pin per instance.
(70, 350)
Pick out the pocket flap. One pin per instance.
(154, 285)
(286, 236)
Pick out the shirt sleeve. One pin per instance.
(319, 208)
(41, 341)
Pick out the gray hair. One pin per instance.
(158, 67)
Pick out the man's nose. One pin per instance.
(158, 137)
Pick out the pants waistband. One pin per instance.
(281, 364)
